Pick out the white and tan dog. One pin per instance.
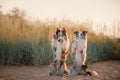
(60, 46)
(79, 47)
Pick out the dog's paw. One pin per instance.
(67, 72)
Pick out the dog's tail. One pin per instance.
(94, 73)
(89, 73)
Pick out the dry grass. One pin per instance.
(26, 42)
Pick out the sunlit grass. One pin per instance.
(26, 42)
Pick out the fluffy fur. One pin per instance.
(60, 45)
(79, 47)
(80, 70)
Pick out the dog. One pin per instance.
(80, 70)
(79, 47)
(60, 46)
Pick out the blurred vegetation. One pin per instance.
(28, 42)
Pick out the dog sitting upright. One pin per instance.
(79, 47)
(60, 45)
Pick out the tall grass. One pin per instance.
(26, 42)
(25, 52)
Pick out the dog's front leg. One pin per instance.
(83, 57)
(84, 54)
(66, 71)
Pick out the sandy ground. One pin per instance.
(109, 70)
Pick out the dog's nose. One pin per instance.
(55, 61)
(59, 40)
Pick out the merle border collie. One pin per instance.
(79, 47)
(60, 46)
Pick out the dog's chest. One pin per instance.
(78, 58)
(80, 44)
(61, 47)
(64, 45)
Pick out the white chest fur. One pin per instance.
(60, 48)
(78, 58)
(80, 45)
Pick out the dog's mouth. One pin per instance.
(61, 39)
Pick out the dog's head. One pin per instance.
(61, 34)
(81, 34)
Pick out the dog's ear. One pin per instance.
(64, 29)
(57, 30)
(55, 36)
(85, 32)
(76, 32)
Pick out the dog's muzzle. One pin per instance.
(60, 39)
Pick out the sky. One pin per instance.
(98, 11)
